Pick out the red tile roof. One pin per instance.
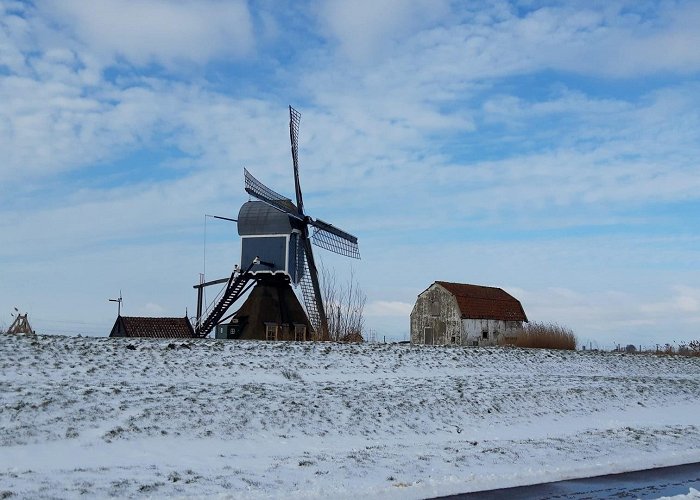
(134, 326)
(485, 302)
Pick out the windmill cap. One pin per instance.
(257, 217)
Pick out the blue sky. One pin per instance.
(548, 148)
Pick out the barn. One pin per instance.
(164, 328)
(462, 314)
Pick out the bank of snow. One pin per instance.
(211, 418)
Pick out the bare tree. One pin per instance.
(345, 304)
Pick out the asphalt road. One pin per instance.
(644, 484)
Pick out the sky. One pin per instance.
(548, 148)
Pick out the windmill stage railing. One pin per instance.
(235, 287)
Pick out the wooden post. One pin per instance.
(200, 293)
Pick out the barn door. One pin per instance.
(428, 335)
(440, 332)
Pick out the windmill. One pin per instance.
(276, 252)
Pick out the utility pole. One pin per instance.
(119, 303)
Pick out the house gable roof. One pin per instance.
(134, 326)
(485, 302)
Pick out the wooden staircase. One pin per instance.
(234, 289)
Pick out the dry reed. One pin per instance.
(543, 336)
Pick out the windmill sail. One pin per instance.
(300, 268)
(294, 119)
(311, 293)
(256, 188)
(336, 240)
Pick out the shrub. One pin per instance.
(544, 336)
(290, 374)
(352, 337)
(345, 305)
(694, 348)
(691, 348)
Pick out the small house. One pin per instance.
(163, 328)
(462, 314)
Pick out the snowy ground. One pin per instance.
(158, 418)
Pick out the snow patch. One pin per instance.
(130, 417)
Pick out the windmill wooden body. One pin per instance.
(276, 253)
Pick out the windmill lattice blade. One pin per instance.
(309, 295)
(294, 119)
(256, 188)
(332, 229)
(336, 240)
(300, 267)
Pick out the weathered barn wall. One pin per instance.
(486, 332)
(435, 318)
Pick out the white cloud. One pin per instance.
(14, 30)
(48, 128)
(396, 117)
(685, 300)
(450, 55)
(623, 317)
(365, 28)
(610, 41)
(51, 127)
(153, 309)
(160, 31)
(388, 308)
(402, 117)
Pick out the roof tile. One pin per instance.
(157, 327)
(485, 302)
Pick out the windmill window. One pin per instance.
(270, 331)
(283, 332)
(300, 332)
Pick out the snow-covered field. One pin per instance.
(160, 418)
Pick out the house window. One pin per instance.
(270, 331)
(434, 308)
(485, 334)
(299, 332)
(475, 343)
